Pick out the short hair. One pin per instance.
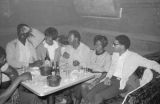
(19, 27)
(51, 31)
(123, 40)
(76, 34)
(102, 39)
(2, 52)
(63, 40)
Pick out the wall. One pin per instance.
(140, 19)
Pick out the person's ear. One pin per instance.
(122, 46)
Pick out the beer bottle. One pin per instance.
(57, 70)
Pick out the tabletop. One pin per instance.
(39, 85)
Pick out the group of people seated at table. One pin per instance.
(114, 72)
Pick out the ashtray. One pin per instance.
(53, 80)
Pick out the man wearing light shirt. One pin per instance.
(77, 54)
(77, 51)
(21, 52)
(124, 63)
(10, 94)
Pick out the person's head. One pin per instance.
(51, 34)
(2, 56)
(23, 31)
(121, 43)
(74, 38)
(100, 42)
(62, 40)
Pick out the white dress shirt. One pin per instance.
(131, 63)
(119, 64)
(80, 54)
(13, 50)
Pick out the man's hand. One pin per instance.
(76, 63)
(12, 73)
(37, 63)
(25, 76)
(107, 81)
(66, 55)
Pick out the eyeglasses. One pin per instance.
(115, 44)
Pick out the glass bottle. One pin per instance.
(57, 70)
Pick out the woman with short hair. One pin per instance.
(99, 63)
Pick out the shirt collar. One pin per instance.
(124, 54)
(46, 45)
(20, 43)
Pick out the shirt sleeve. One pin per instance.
(41, 52)
(36, 38)
(107, 62)
(112, 65)
(150, 64)
(147, 77)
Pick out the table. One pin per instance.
(39, 85)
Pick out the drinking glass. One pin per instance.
(68, 73)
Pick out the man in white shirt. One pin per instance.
(21, 52)
(11, 94)
(78, 51)
(124, 63)
(77, 54)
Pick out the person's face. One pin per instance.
(49, 40)
(2, 61)
(98, 46)
(24, 33)
(71, 39)
(116, 46)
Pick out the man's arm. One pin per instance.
(108, 62)
(111, 69)
(36, 38)
(112, 66)
(9, 91)
(150, 64)
(5, 95)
